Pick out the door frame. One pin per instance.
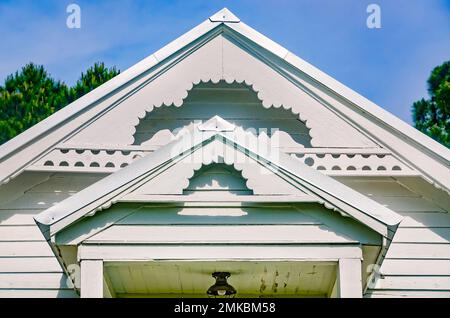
(93, 283)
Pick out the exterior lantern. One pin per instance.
(221, 287)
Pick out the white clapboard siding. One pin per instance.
(34, 280)
(426, 220)
(418, 251)
(36, 201)
(407, 204)
(225, 215)
(414, 282)
(220, 234)
(407, 294)
(38, 293)
(30, 265)
(18, 217)
(416, 267)
(417, 263)
(64, 183)
(21, 233)
(21, 249)
(422, 235)
(378, 187)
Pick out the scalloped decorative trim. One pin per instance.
(178, 101)
(212, 162)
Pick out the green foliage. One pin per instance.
(31, 95)
(28, 97)
(432, 116)
(93, 78)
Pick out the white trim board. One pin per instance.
(200, 253)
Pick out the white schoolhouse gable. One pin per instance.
(224, 152)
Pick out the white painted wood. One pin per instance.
(220, 252)
(378, 187)
(38, 293)
(425, 220)
(30, 265)
(34, 281)
(18, 217)
(394, 134)
(220, 234)
(34, 201)
(259, 179)
(82, 105)
(412, 267)
(18, 186)
(300, 176)
(91, 279)
(27, 263)
(293, 62)
(439, 197)
(209, 224)
(216, 199)
(349, 227)
(328, 108)
(224, 15)
(21, 233)
(354, 202)
(226, 215)
(418, 260)
(354, 164)
(349, 278)
(408, 294)
(422, 235)
(414, 282)
(288, 95)
(407, 204)
(415, 251)
(21, 249)
(87, 228)
(220, 177)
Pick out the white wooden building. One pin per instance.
(224, 152)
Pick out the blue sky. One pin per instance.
(390, 65)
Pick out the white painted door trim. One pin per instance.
(349, 278)
(348, 257)
(91, 279)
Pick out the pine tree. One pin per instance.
(31, 95)
(432, 116)
(28, 97)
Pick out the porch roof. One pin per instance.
(318, 187)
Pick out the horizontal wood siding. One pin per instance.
(407, 294)
(28, 267)
(220, 234)
(417, 263)
(38, 293)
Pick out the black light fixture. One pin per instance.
(221, 287)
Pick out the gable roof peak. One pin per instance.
(224, 15)
(216, 123)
